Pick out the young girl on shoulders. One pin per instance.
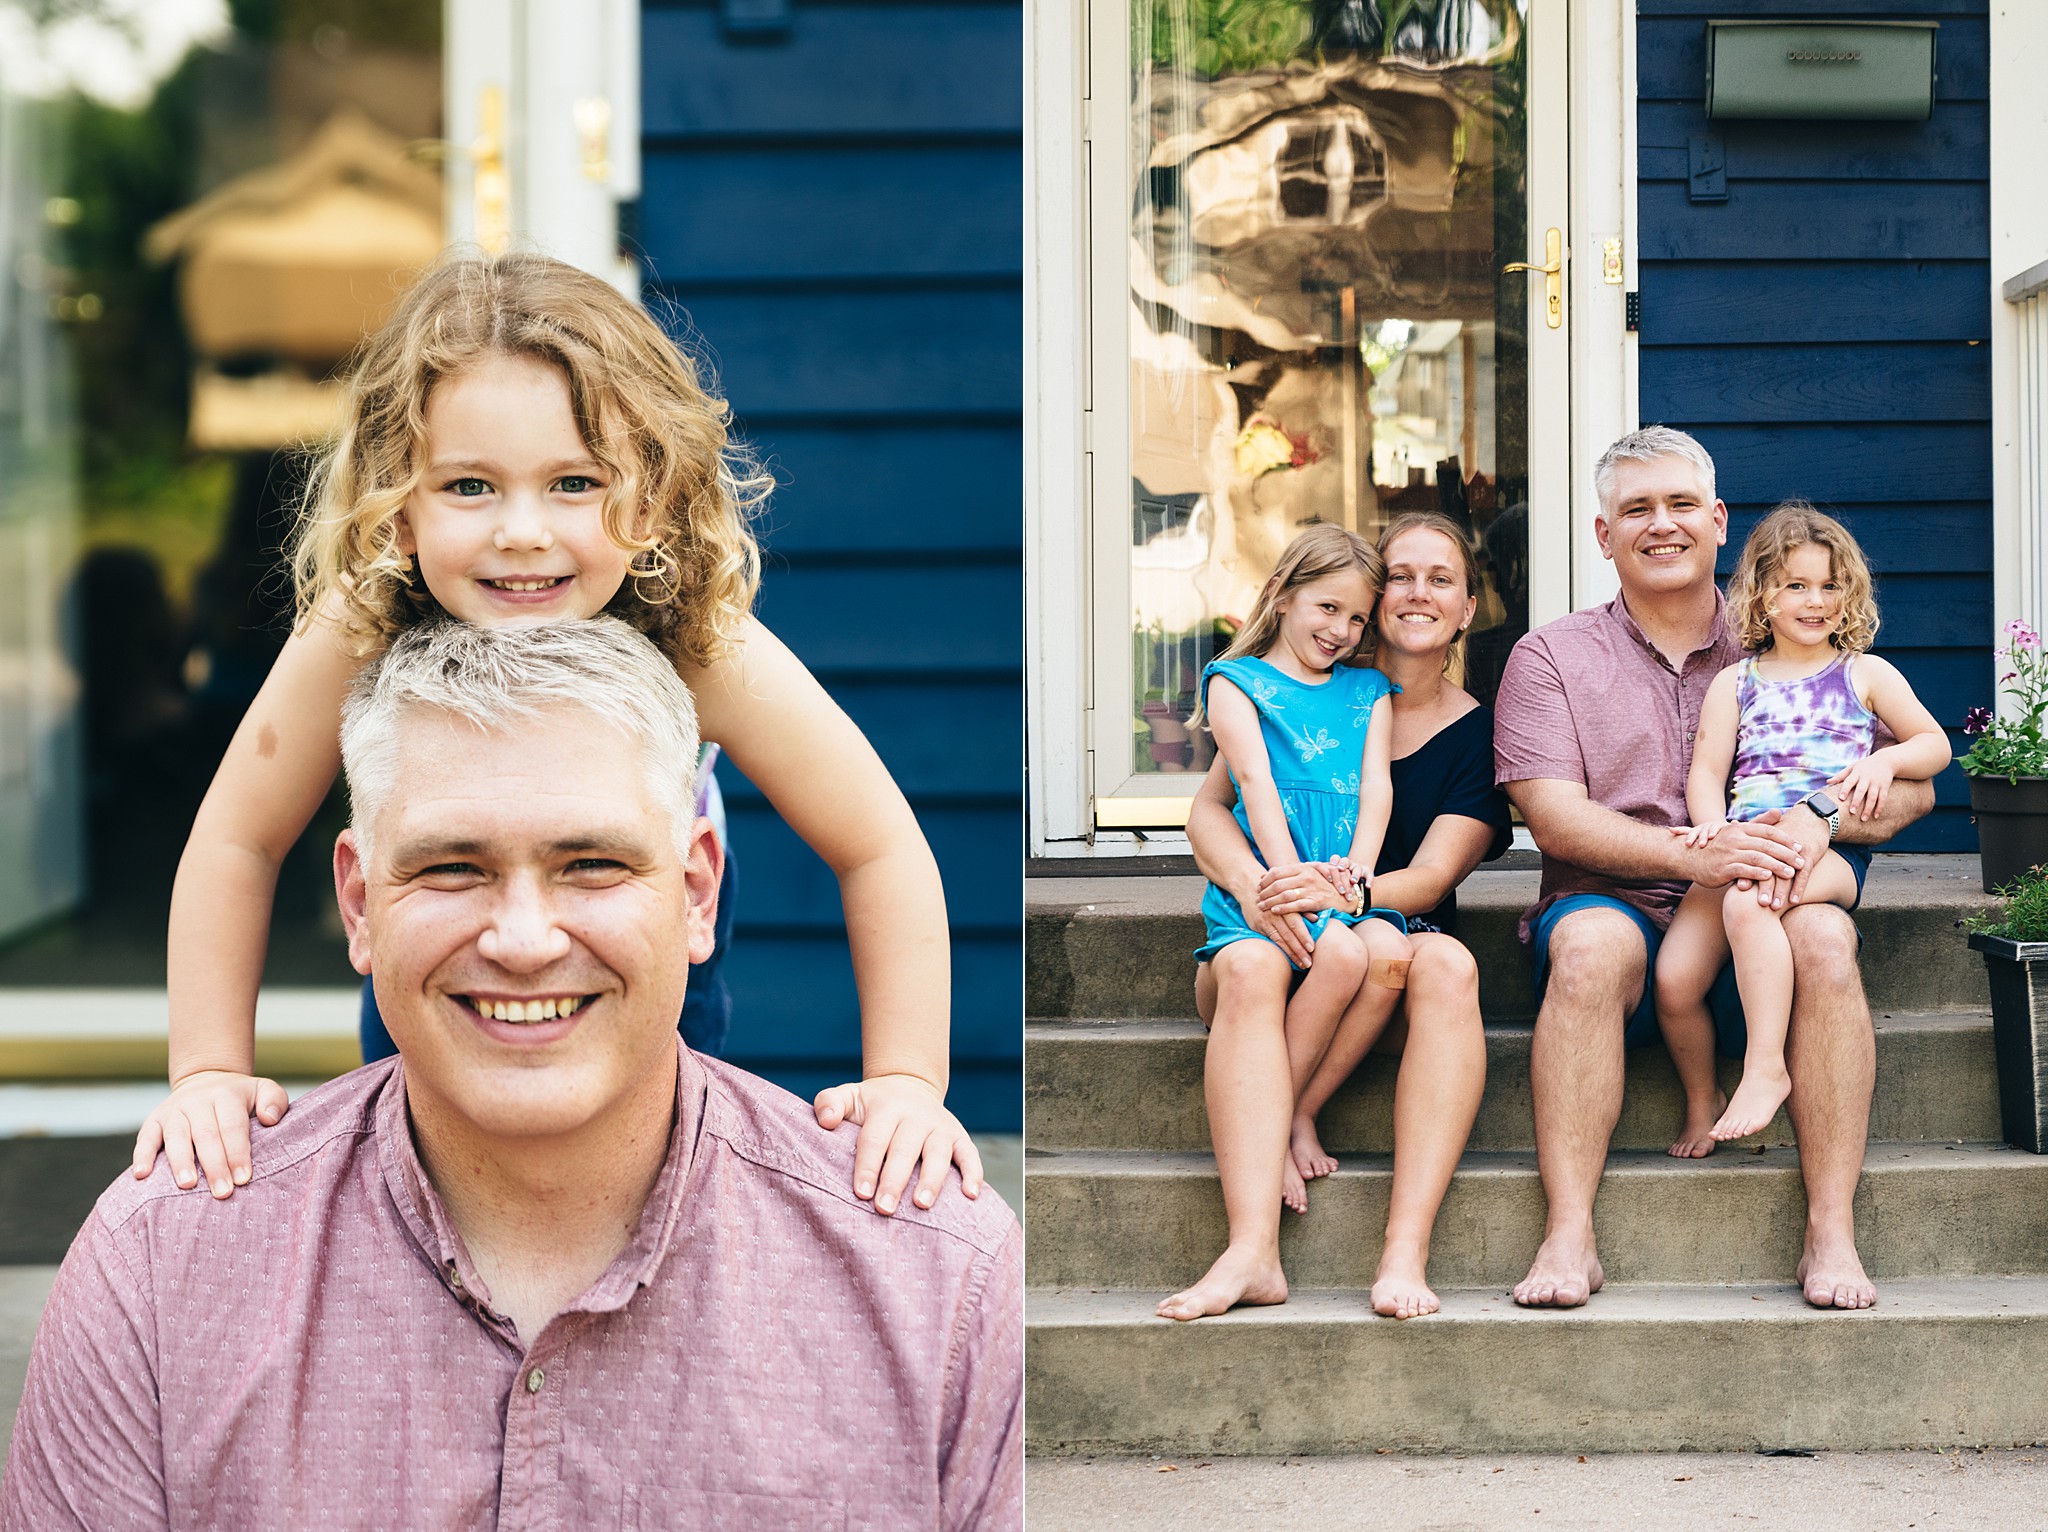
(523, 444)
(1308, 744)
(1794, 723)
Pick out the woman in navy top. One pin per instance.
(1447, 818)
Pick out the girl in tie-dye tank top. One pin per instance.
(1793, 723)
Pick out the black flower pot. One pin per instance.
(2012, 826)
(2019, 1031)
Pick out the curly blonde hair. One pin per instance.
(1319, 551)
(681, 490)
(1760, 575)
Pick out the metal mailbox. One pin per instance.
(1821, 69)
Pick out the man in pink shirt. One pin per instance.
(547, 1269)
(1593, 736)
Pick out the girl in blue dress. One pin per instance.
(1307, 743)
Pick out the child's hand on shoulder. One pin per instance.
(203, 1127)
(1698, 835)
(903, 1119)
(1861, 786)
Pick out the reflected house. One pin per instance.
(282, 271)
(1313, 328)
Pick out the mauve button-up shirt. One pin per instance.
(319, 1351)
(1589, 699)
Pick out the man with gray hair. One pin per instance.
(1593, 737)
(547, 1268)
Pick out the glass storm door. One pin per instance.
(1298, 272)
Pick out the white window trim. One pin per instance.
(1058, 606)
(2019, 242)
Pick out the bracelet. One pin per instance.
(1358, 900)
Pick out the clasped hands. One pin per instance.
(1275, 905)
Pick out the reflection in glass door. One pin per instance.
(1322, 196)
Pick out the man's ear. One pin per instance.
(1720, 523)
(352, 893)
(703, 865)
(1600, 533)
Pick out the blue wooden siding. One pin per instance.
(1825, 332)
(834, 217)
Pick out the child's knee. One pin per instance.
(1340, 950)
(1741, 911)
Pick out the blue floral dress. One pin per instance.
(1315, 745)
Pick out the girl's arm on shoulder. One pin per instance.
(273, 779)
(816, 767)
(1235, 723)
(1921, 751)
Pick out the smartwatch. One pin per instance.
(1827, 808)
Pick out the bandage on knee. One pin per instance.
(1387, 973)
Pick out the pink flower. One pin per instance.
(2022, 636)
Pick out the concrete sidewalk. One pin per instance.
(1981, 1491)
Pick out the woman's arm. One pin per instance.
(1235, 723)
(1450, 849)
(271, 782)
(1921, 751)
(818, 770)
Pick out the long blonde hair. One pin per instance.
(1760, 575)
(1468, 561)
(1316, 553)
(681, 490)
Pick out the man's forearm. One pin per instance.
(1906, 802)
(1597, 838)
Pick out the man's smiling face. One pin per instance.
(1661, 525)
(519, 873)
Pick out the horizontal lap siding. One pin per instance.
(833, 219)
(1824, 332)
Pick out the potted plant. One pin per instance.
(2008, 765)
(2015, 947)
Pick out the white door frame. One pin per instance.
(1075, 81)
(2019, 333)
(543, 114)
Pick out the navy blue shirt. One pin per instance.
(1452, 773)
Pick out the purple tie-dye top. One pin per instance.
(1791, 736)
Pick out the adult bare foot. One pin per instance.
(1293, 1190)
(1239, 1276)
(1755, 1103)
(1398, 1290)
(1306, 1150)
(1565, 1273)
(1695, 1140)
(1831, 1275)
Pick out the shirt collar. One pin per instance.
(426, 1218)
(1618, 610)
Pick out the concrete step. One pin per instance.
(1121, 946)
(1103, 1218)
(1938, 1363)
(1137, 1084)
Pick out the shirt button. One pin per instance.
(534, 1380)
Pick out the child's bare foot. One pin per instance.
(1310, 1158)
(1398, 1289)
(1755, 1103)
(1237, 1277)
(1293, 1190)
(1696, 1139)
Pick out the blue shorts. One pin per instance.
(1724, 1001)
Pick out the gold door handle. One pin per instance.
(1553, 276)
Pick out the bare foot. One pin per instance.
(1755, 1103)
(1696, 1139)
(1398, 1290)
(1310, 1158)
(1293, 1190)
(1831, 1275)
(1565, 1273)
(1237, 1277)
